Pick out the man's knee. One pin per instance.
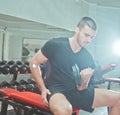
(118, 102)
(62, 110)
(59, 105)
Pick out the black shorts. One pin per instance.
(79, 99)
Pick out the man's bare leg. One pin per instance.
(59, 105)
(108, 98)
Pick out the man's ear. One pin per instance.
(77, 29)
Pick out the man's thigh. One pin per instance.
(104, 97)
(58, 100)
(78, 99)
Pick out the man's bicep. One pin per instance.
(39, 57)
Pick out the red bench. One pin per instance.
(29, 102)
(4, 94)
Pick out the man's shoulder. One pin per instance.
(57, 41)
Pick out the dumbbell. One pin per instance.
(28, 66)
(4, 68)
(23, 82)
(3, 62)
(13, 84)
(23, 69)
(11, 62)
(14, 68)
(31, 81)
(21, 88)
(28, 85)
(19, 64)
(32, 86)
(17, 85)
(22, 85)
(4, 84)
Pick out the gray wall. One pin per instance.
(65, 13)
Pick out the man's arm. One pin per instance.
(86, 75)
(38, 59)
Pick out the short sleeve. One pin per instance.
(48, 49)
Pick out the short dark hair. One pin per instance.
(87, 21)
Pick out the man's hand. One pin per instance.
(44, 94)
(86, 74)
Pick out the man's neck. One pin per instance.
(74, 45)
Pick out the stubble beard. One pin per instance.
(78, 42)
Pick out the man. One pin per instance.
(65, 57)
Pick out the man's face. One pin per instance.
(85, 35)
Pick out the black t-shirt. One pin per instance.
(61, 58)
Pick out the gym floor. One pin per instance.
(100, 111)
(97, 111)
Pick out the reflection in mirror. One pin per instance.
(30, 47)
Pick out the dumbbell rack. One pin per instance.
(14, 68)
